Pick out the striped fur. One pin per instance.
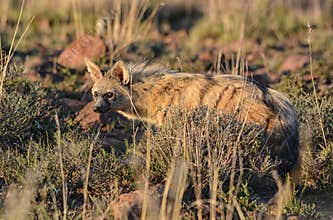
(149, 92)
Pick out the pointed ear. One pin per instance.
(119, 71)
(93, 69)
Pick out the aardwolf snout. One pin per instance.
(97, 109)
(101, 106)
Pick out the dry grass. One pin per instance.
(314, 86)
(206, 166)
(5, 59)
(218, 155)
(62, 173)
(86, 182)
(130, 21)
(19, 201)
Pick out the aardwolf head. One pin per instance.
(111, 90)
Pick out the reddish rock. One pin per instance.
(294, 62)
(88, 46)
(129, 205)
(87, 117)
(125, 203)
(73, 104)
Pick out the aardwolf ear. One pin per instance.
(120, 72)
(93, 69)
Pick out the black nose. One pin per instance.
(97, 109)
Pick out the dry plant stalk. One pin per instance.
(146, 185)
(4, 63)
(180, 183)
(86, 180)
(129, 23)
(4, 14)
(314, 85)
(77, 14)
(19, 200)
(164, 210)
(62, 173)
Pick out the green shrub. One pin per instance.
(209, 142)
(316, 128)
(108, 177)
(25, 114)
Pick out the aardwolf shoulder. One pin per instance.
(150, 92)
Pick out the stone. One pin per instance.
(294, 62)
(86, 46)
(129, 205)
(87, 117)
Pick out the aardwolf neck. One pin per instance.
(139, 108)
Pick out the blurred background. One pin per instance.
(284, 44)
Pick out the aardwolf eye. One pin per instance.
(95, 94)
(110, 95)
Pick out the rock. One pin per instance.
(129, 205)
(87, 117)
(88, 46)
(73, 104)
(294, 62)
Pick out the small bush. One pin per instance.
(316, 127)
(301, 209)
(25, 113)
(108, 175)
(210, 143)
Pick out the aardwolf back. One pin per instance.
(150, 93)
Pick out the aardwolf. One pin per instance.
(149, 92)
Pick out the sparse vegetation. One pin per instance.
(25, 114)
(196, 166)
